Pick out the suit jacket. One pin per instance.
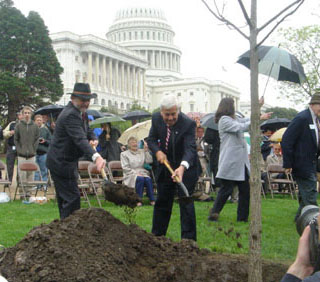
(233, 157)
(69, 142)
(299, 145)
(182, 147)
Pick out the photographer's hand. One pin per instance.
(302, 268)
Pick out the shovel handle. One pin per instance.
(171, 170)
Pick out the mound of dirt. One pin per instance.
(92, 245)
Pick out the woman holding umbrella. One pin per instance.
(234, 166)
(110, 148)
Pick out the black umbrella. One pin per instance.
(49, 110)
(277, 63)
(208, 120)
(136, 115)
(275, 123)
(94, 113)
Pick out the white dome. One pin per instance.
(147, 32)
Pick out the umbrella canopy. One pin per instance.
(139, 130)
(94, 113)
(97, 122)
(275, 123)
(134, 115)
(49, 110)
(277, 136)
(208, 120)
(277, 63)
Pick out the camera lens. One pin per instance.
(308, 215)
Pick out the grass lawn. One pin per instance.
(279, 236)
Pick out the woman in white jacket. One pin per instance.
(234, 165)
(135, 175)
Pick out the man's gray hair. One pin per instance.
(169, 101)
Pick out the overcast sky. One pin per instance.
(209, 49)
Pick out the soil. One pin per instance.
(92, 245)
(120, 195)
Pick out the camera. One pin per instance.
(310, 216)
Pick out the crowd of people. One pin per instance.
(192, 151)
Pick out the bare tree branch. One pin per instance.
(221, 18)
(279, 22)
(243, 9)
(280, 13)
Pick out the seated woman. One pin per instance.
(134, 173)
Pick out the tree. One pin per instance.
(29, 69)
(136, 107)
(279, 112)
(255, 267)
(112, 110)
(304, 43)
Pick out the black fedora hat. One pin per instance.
(82, 91)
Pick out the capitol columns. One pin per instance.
(139, 83)
(160, 60)
(171, 61)
(97, 71)
(122, 77)
(153, 65)
(110, 75)
(134, 84)
(89, 67)
(116, 84)
(104, 74)
(144, 84)
(128, 80)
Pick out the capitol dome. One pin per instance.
(147, 32)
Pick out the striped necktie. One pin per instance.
(168, 137)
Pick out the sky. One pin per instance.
(209, 48)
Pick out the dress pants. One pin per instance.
(163, 208)
(141, 182)
(11, 156)
(307, 192)
(68, 195)
(244, 197)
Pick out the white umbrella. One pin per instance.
(139, 131)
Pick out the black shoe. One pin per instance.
(213, 216)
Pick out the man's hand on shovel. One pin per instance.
(100, 163)
(179, 173)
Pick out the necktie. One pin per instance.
(83, 116)
(168, 137)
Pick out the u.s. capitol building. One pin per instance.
(137, 62)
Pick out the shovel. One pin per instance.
(187, 198)
(117, 193)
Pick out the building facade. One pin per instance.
(136, 63)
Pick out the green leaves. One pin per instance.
(29, 69)
(304, 44)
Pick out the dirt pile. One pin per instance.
(92, 245)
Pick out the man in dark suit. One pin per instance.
(300, 148)
(72, 139)
(172, 138)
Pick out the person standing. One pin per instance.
(172, 138)
(300, 150)
(110, 149)
(11, 154)
(43, 147)
(26, 140)
(72, 139)
(234, 166)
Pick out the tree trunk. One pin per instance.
(255, 268)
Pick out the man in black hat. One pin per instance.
(301, 148)
(72, 139)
